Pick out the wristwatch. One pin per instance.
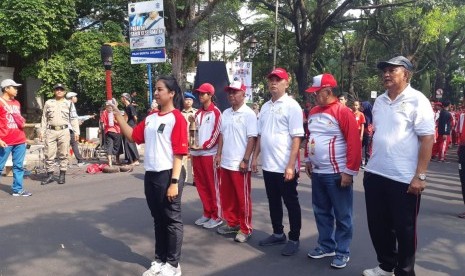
(422, 176)
(174, 181)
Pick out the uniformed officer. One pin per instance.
(58, 114)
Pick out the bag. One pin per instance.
(19, 120)
(95, 168)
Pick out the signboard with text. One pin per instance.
(148, 56)
(146, 24)
(242, 71)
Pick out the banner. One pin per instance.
(146, 25)
(148, 56)
(242, 71)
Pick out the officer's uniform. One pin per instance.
(57, 117)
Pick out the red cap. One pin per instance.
(206, 88)
(280, 73)
(236, 86)
(438, 103)
(322, 81)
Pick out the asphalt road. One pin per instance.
(100, 225)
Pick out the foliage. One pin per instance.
(29, 27)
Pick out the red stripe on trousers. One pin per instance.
(204, 176)
(236, 203)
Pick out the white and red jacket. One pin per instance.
(208, 122)
(334, 143)
(9, 131)
(164, 136)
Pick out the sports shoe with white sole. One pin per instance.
(226, 229)
(21, 193)
(340, 261)
(377, 271)
(318, 253)
(212, 223)
(201, 221)
(241, 237)
(154, 269)
(169, 270)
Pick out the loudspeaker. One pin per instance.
(213, 72)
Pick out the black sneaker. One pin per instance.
(273, 240)
(291, 248)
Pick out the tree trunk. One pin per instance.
(350, 81)
(301, 72)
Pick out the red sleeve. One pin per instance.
(362, 118)
(349, 129)
(179, 141)
(210, 143)
(138, 132)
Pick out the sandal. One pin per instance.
(462, 215)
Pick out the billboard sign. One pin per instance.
(242, 71)
(146, 24)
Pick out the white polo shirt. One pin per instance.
(397, 126)
(236, 128)
(278, 123)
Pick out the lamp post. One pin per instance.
(275, 33)
(107, 58)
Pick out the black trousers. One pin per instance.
(366, 147)
(130, 151)
(113, 143)
(392, 216)
(461, 154)
(167, 219)
(75, 147)
(278, 191)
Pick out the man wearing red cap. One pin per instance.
(280, 130)
(235, 146)
(207, 121)
(334, 155)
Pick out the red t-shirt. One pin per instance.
(360, 118)
(9, 131)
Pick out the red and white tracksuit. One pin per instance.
(208, 123)
(237, 127)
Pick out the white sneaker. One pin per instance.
(201, 221)
(212, 223)
(169, 270)
(377, 271)
(154, 269)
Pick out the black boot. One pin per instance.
(61, 178)
(47, 180)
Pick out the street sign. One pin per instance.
(148, 56)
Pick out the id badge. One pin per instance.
(161, 128)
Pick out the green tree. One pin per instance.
(32, 28)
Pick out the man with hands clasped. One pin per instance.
(334, 155)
